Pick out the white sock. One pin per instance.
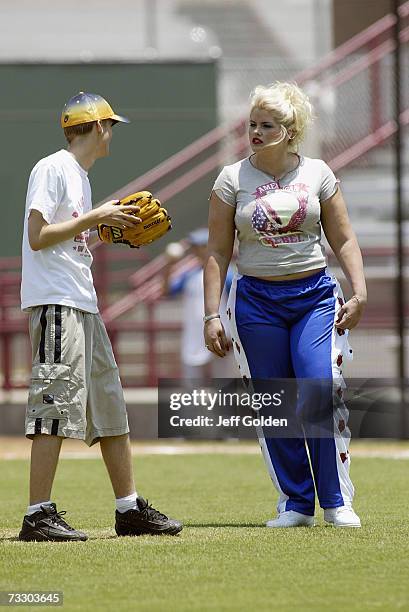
(123, 504)
(37, 507)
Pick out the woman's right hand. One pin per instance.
(215, 338)
(112, 214)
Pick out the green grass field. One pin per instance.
(225, 559)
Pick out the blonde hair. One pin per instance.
(288, 104)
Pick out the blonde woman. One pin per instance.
(287, 314)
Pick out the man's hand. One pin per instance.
(121, 216)
(123, 227)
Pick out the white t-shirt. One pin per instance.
(277, 221)
(61, 274)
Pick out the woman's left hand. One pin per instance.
(350, 313)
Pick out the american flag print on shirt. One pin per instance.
(273, 228)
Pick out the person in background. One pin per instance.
(197, 362)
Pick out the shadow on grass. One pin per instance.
(236, 525)
(93, 538)
(90, 538)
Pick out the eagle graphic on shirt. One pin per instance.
(273, 227)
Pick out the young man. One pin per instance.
(75, 389)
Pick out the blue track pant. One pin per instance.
(285, 329)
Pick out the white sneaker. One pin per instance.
(291, 518)
(343, 516)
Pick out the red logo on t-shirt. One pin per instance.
(81, 238)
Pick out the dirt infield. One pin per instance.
(19, 448)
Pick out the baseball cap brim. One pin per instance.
(120, 118)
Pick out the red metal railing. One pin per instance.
(375, 48)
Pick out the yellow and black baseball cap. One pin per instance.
(87, 107)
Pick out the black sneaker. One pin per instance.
(145, 520)
(47, 525)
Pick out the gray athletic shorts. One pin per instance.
(75, 389)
